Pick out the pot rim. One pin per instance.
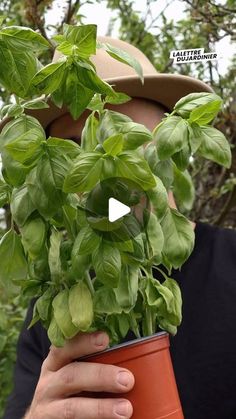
(124, 344)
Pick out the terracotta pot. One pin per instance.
(155, 394)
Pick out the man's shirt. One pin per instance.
(204, 349)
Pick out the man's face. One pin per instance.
(140, 110)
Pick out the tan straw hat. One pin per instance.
(165, 89)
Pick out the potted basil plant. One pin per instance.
(58, 249)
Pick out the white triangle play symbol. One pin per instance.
(117, 210)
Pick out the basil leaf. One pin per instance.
(127, 289)
(17, 69)
(49, 78)
(159, 199)
(175, 312)
(205, 113)
(132, 166)
(171, 136)
(13, 263)
(214, 146)
(43, 183)
(43, 304)
(118, 98)
(181, 158)
(194, 136)
(55, 335)
(105, 301)
(125, 58)
(18, 37)
(85, 173)
(37, 103)
(183, 190)
(187, 103)
(54, 255)
(4, 193)
(88, 78)
(62, 314)
(107, 264)
(60, 146)
(33, 236)
(87, 241)
(76, 95)
(81, 306)
(114, 144)
(178, 237)
(135, 135)
(84, 37)
(89, 137)
(26, 149)
(155, 238)
(110, 124)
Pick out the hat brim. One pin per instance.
(165, 89)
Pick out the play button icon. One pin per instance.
(117, 210)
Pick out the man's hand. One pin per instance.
(61, 378)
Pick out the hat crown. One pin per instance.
(108, 68)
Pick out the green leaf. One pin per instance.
(18, 37)
(49, 78)
(187, 103)
(4, 193)
(105, 301)
(76, 95)
(183, 190)
(81, 306)
(163, 169)
(107, 264)
(13, 263)
(195, 136)
(171, 137)
(178, 237)
(176, 306)
(110, 124)
(159, 199)
(12, 110)
(155, 238)
(181, 158)
(114, 144)
(214, 146)
(127, 289)
(125, 58)
(35, 104)
(84, 37)
(44, 183)
(26, 149)
(134, 167)
(87, 241)
(57, 147)
(135, 135)
(89, 137)
(84, 174)
(33, 236)
(17, 69)
(54, 254)
(117, 99)
(88, 78)
(205, 113)
(55, 335)
(43, 304)
(62, 314)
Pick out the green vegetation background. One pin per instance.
(203, 25)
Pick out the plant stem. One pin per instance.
(89, 282)
(134, 325)
(149, 321)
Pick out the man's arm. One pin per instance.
(30, 355)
